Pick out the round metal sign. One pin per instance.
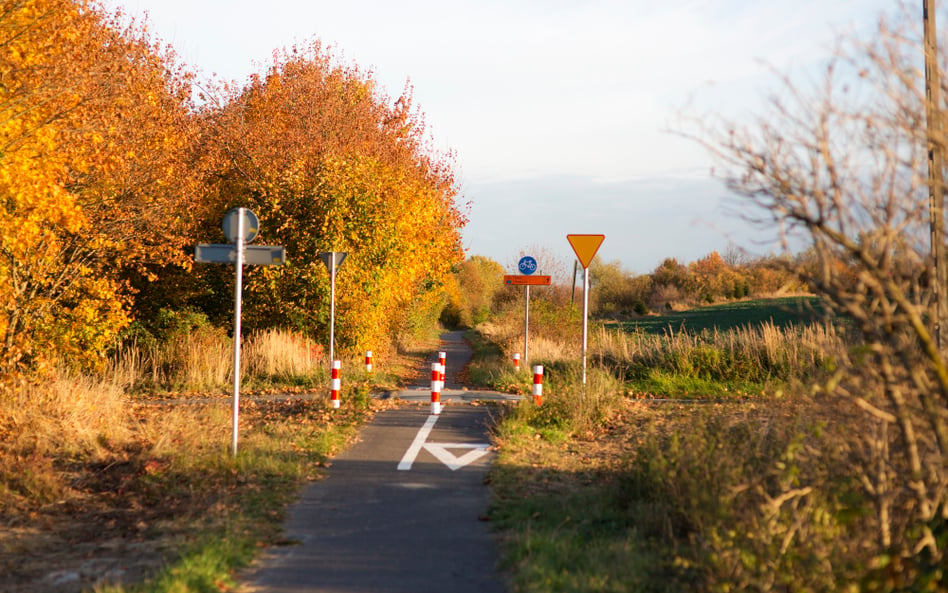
(251, 224)
(527, 265)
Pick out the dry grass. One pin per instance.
(741, 496)
(65, 413)
(742, 362)
(195, 361)
(282, 356)
(87, 471)
(762, 353)
(62, 418)
(202, 360)
(48, 426)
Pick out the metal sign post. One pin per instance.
(238, 292)
(240, 225)
(527, 266)
(332, 259)
(526, 324)
(585, 247)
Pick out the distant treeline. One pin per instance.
(478, 290)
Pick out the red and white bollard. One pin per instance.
(436, 369)
(368, 361)
(443, 361)
(538, 384)
(335, 383)
(516, 362)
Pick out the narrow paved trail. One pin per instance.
(456, 389)
(402, 511)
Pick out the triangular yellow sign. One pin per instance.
(585, 247)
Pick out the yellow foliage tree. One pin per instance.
(93, 144)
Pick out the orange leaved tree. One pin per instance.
(328, 163)
(93, 139)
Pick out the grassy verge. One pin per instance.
(767, 485)
(556, 504)
(743, 362)
(558, 488)
(627, 495)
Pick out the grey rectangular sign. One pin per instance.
(254, 255)
(215, 254)
(264, 255)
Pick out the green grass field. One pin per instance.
(782, 312)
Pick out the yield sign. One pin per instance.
(585, 247)
(332, 259)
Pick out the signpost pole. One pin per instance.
(526, 325)
(332, 307)
(332, 259)
(238, 289)
(240, 226)
(585, 318)
(527, 266)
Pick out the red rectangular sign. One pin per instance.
(519, 280)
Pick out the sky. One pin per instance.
(563, 115)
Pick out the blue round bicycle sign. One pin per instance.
(527, 265)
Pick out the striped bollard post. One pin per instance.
(538, 384)
(435, 388)
(516, 362)
(335, 384)
(368, 361)
(443, 361)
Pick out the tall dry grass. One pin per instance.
(555, 330)
(66, 413)
(282, 356)
(509, 337)
(202, 360)
(748, 358)
(761, 353)
(43, 424)
(195, 360)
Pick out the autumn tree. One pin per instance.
(671, 283)
(329, 163)
(479, 279)
(770, 276)
(94, 125)
(618, 291)
(846, 165)
(714, 279)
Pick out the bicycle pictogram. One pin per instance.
(527, 265)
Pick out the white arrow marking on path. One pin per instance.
(440, 450)
(417, 444)
(454, 463)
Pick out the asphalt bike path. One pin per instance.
(455, 389)
(403, 510)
